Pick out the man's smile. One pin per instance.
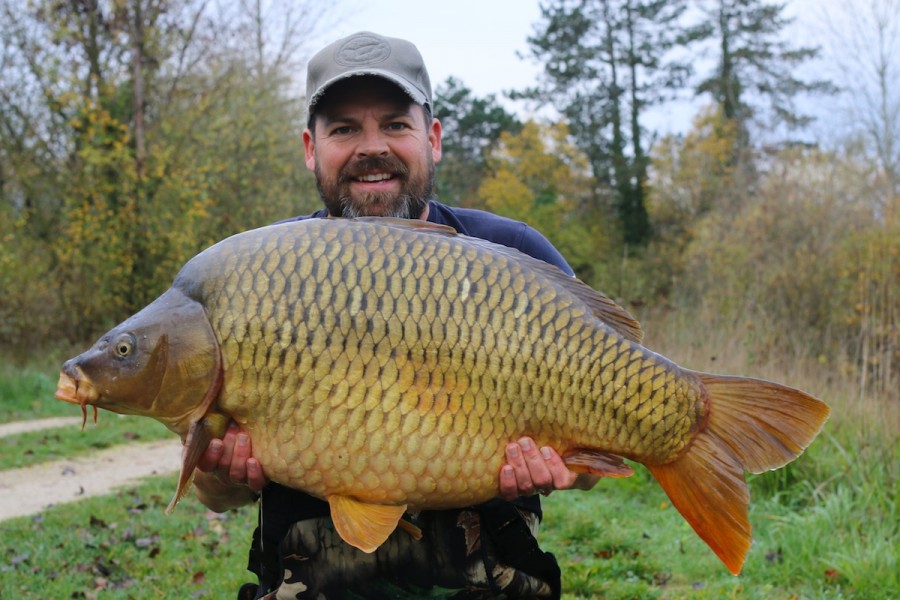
(372, 177)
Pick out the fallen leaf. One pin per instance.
(19, 559)
(101, 568)
(146, 542)
(97, 522)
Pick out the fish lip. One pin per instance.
(75, 388)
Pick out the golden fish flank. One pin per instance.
(384, 365)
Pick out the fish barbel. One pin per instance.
(383, 365)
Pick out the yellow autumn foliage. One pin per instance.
(538, 176)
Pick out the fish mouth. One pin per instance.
(77, 390)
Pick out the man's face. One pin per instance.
(372, 152)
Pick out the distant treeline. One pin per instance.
(134, 134)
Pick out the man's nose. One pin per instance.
(373, 143)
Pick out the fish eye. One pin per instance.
(124, 345)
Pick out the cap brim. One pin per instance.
(411, 90)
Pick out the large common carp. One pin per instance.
(384, 365)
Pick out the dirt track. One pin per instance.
(29, 490)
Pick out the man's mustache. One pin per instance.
(365, 166)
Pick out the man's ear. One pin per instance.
(309, 145)
(434, 137)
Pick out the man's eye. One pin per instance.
(341, 130)
(396, 126)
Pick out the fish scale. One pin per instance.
(384, 366)
(396, 313)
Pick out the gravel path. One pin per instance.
(37, 424)
(29, 490)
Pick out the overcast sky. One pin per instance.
(477, 41)
(474, 40)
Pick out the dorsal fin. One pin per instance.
(606, 309)
(599, 304)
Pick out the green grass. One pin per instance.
(124, 546)
(30, 448)
(28, 394)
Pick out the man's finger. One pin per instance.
(515, 458)
(256, 478)
(509, 489)
(209, 460)
(237, 472)
(228, 442)
(562, 477)
(539, 476)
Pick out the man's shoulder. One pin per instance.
(473, 217)
(483, 224)
(498, 229)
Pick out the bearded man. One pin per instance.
(373, 143)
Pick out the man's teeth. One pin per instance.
(374, 177)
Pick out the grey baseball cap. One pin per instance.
(367, 53)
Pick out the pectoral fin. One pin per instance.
(364, 526)
(198, 438)
(205, 424)
(598, 463)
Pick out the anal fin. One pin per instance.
(411, 529)
(362, 525)
(595, 462)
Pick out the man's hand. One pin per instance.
(530, 470)
(228, 475)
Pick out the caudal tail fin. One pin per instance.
(754, 426)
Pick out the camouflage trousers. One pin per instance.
(462, 555)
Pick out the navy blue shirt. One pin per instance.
(281, 505)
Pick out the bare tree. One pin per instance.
(864, 47)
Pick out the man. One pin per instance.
(373, 144)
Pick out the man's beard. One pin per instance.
(409, 203)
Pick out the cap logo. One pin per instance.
(362, 50)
